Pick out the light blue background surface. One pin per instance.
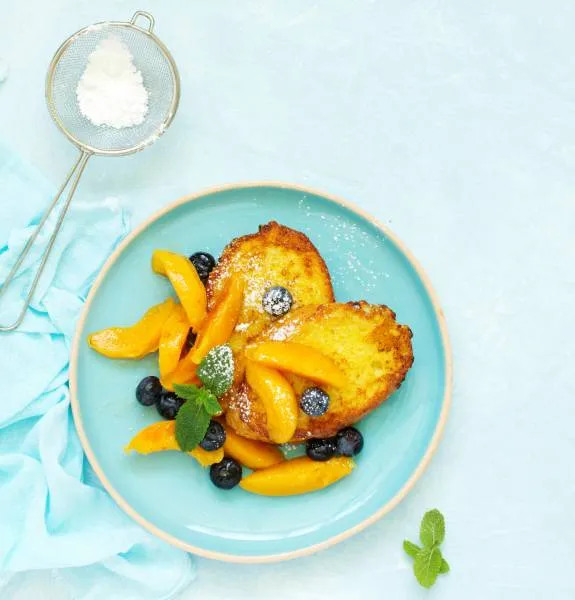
(453, 122)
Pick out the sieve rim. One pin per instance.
(160, 129)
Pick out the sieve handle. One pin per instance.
(74, 175)
(145, 15)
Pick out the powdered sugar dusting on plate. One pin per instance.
(342, 237)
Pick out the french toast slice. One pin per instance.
(275, 255)
(366, 343)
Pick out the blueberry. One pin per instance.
(349, 442)
(149, 390)
(226, 474)
(204, 263)
(320, 449)
(214, 438)
(314, 402)
(277, 301)
(191, 339)
(168, 405)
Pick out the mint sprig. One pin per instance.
(192, 422)
(428, 561)
(202, 396)
(216, 372)
(194, 416)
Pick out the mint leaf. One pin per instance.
(194, 416)
(192, 422)
(410, 548)
(187, 392)
(428, 561)
(210, 402)
(432, 531)
(216, 371)
(195, 394)
(427, 565)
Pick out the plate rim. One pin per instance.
(335, 539)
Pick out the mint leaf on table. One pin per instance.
(410, 548)
(192, 422)
(428, 560)
(432, 531)
(216, 371)
(427, 565)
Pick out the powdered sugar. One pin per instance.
(242, 403)
(350, 242)
(289, 448)
(284, 332)
(220, 362)
(111, 90)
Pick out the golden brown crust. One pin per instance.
(366, 342)
(249, 251)
(275, 255)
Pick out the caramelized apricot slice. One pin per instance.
(250, 453)
(278, 398)
(206, 458)
(220, 323)
(186, 283)
(297, 476)
(136, 341)
(161, 436)
(172, 340)
(298, 359)
(185, 372)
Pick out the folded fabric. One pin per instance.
(55, 515)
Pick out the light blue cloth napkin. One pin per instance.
(53, 512)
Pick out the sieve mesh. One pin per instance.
(162, 83)
(160, 80)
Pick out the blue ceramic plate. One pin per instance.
(169, 493)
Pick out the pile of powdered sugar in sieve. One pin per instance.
(111, 90)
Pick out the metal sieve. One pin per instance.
(162, 83)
